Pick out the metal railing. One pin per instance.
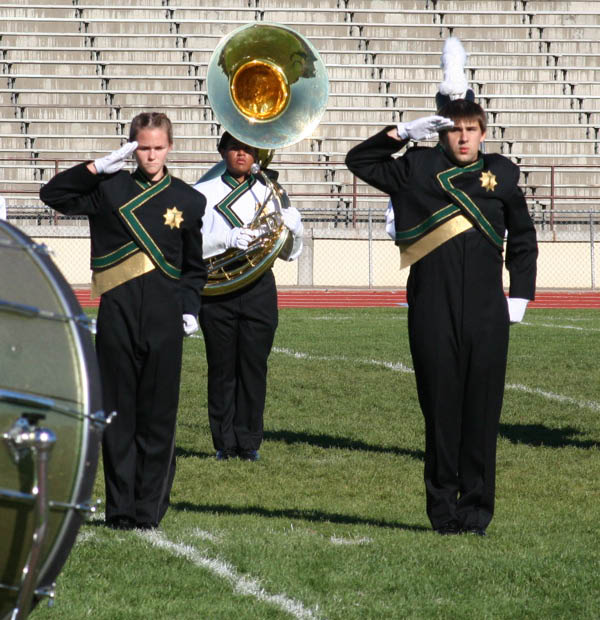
(547, 187)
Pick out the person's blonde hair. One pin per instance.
(150, 120)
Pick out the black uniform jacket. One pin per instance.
(427, 189)
(127, 213)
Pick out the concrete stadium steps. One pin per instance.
(102, 68)
(478, 44)
(528, 66)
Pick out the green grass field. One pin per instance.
(331, 523)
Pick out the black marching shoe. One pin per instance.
(451, 528)
(121, 523)
(477, 531)
(142, 525)
(225, 455)
(249, 455)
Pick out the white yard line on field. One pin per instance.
(400, 367)
(581, 404)
(204, 535)
(336, 540)
(241, 584)
(554, 326)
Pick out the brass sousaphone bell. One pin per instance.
(268, 87)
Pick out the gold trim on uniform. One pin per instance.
(136, 265)
(173, 217)
(488, 180)
(415, 251)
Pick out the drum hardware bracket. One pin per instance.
(32, 311)
(100, 420)
(31, 246)
(26, 498)
(48, 592)
(82, 319)
(97, 418)
(40, 441)
(85, 508)
(20, 437)
(41, 248)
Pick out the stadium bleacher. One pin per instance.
(76, 71)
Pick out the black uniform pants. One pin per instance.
(239, 329)
(458, 332)
(139, 346)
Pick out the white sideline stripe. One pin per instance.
(554, 326)
(241, 584)
(400, 367)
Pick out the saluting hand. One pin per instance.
(113, 162)
(423, 128)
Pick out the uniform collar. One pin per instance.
(142, 180)
(233, 183)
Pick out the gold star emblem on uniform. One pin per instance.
(173, 217)
(488, 180)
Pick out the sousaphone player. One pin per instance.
(267, 86)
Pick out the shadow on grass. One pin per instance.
(328, 441)
(539, 435)
(295, 513)
(185, 453)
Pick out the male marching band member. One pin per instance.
(451, 207)
(239, 326)
(146, 257)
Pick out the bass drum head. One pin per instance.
(47, 367)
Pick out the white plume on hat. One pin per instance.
(454, 57)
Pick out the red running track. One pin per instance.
(292, 298)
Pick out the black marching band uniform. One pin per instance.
(238, 327)
(146, 257)
(450, 224)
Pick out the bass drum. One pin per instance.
(48, 381)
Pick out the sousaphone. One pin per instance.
(268, 87)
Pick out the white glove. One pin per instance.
(292, 220)
(113, 162)
(423, 128)
(190, 324)
(516, 309)
(240, 238)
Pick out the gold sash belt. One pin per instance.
(412, 253)
(136, 265)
